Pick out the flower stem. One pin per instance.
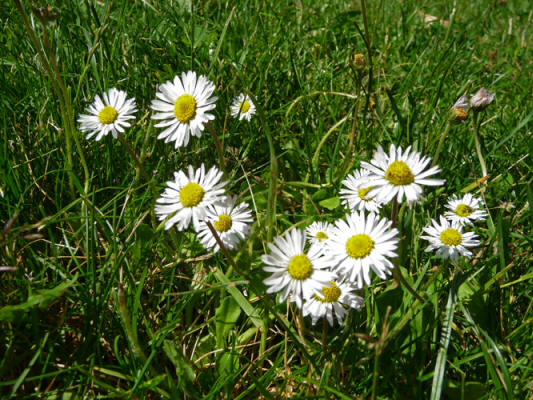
(441, 142)
(477, 124)
(218, 145)
(223, 248)
(397, 273)
(137, 162)
(324, 332)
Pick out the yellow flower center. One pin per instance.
(185, 108)
(331, 294)
(451, 237)
(300, 268)
(399, 173)
(359, 246)
(191, 194)
(223, 224)
(108, 115)
(321, 236)
(244, 107)
(362, 193)
(463, 210)
(459, 114)
(359, 60)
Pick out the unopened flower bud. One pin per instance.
(359, 61)
(462, 102)
(458, 115)
(481, 99)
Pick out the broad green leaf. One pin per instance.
(226, 317)
(41, 298)
(330, 203)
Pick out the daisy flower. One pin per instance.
(186, 198)
(318, 233)
(465, 210)
(242, 107)
(355, 193)
(449, 240)
(362, 243)
(295, 273)
(231, 222)
(331, 301)
(183, 107)
(399, 174)
(110, 114)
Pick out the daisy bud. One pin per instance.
(359, 61)
(458, 115)
(481, 99)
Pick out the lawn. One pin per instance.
(106, 294)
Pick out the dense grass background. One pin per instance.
(97, 301)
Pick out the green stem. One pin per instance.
(477, 124)
(223, 248)
(441, 142)
(397, 273)
(219, 147)
(273, 184)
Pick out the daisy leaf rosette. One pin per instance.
(465, 210)
(331, 303)
(296, 274)
(354, 193)
(183, 107)
(361, 243)
(242, 107)
(109, 113)
(188, 196)
(399, 174)
(232, 223)
(449, 240)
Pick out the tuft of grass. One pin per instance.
(98, 301)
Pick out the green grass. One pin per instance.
(98, 301)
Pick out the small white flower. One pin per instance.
(243, 107)
(465, 210)
(183, 107)
(187, 197)
(481, 99)
(399, 174)
(318, 233)
(449, 240)
(355, 193)
(295, 273)
(108, 115)
(362, 243)
(232, 223)
(331, 301)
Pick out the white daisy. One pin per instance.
(331, 301)
(295, 272)
(355, 193)
(182, 106)
(243, 107)
(465, 210)
(188, 196)
(108, 115)
(399, 174)
(231, 222)
(318, 233)
(362, 243)
(449, 240)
